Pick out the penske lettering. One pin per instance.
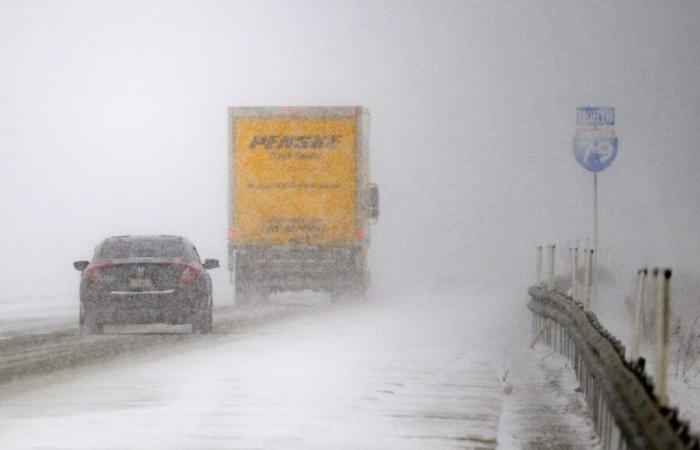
(270, 142)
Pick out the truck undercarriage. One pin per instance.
(338, 270)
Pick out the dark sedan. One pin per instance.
(145, 280)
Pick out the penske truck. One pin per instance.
(301, 201)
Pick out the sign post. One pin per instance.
(595, 148)
(595, 211)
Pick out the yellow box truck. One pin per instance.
(300, 201)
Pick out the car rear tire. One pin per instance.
(92, 328)
(202, 327)
(202, 323)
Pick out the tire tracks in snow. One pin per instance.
(43, 353)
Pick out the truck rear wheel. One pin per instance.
(242, 289)
(247, 290)
(247, 293)
(242, 293)
(364, 285)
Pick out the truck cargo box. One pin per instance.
(300, 197)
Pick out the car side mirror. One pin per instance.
(80, 265)
(211, 263)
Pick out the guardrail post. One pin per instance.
(571, 272)
(543, 330)
(550, 283)
(539, 264)
(639, 313)
(657, 322)
(586, 274)
(665, 317)
(622, 418)
(574, 276)
(589, 281)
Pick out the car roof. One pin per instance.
(160, 237)
(146, 238)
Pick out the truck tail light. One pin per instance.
(189, 275)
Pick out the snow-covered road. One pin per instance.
(418, 372)
(374, 375)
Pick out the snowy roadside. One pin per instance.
(684, 393)
(424, 368)
(36, 314)
(542, 407)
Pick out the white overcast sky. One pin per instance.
(113, 121)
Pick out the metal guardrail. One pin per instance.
(626, 414)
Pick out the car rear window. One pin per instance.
(142, 249)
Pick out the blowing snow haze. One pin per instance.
(113, 121)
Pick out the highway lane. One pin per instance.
(59, 344)
(392, 373)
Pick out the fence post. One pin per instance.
(589, 281)
(639, 313)
(550, 283)
(657, 323)
(539, 264)
(620, 416)
(570, 262)
(665, 329)
(574, 277)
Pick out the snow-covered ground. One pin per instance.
(423, 372)
(614, 315)
(542, 406)
(36, 314)
(545, 407)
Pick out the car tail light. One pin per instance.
(189, 275)
(359, 233)
(198, 302)
(92, 274)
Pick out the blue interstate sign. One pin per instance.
(601, 116)
(595, 154)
